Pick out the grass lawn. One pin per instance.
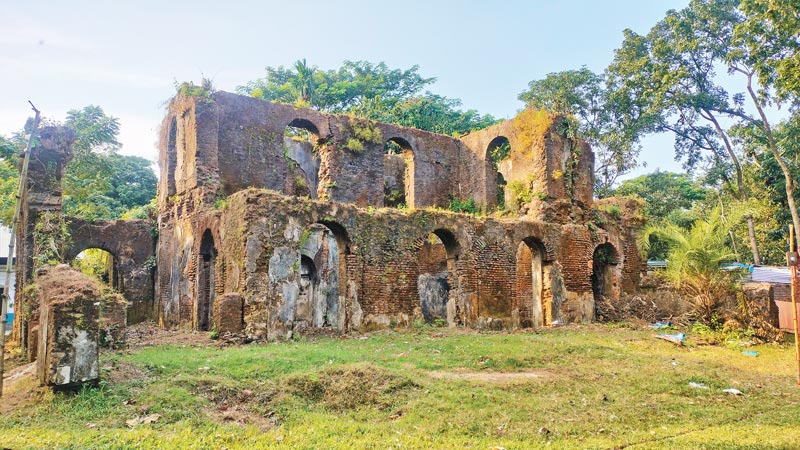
(562, 388)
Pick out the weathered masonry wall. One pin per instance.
(228, 142)
(132, 244)
(273, 219)
(263, 241)
(45, 236)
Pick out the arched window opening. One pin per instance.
(436, 263)
(206, 282)
(497, 154)
(300, 140)
(398, 174)
(172, 156)
(603, 261)
(322, 273)
(99, 264)
(535, 306)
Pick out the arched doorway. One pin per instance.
(323, 277)
(497, 153)
(436, 266)
(206, 282)
(300, 140)
(535, 308)
(398, 174)
(99, 264)
(604, 259)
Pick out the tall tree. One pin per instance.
(673, 70)
(610, 121)
(771, 34)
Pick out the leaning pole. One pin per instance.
(10, 267)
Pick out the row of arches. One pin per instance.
(322, 279)
(301, 140)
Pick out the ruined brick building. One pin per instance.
(274, 219)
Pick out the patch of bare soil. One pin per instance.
(146, 334)
(233, 404)
(20, 388)
(490, 377)
(124, 371)
(352, 386)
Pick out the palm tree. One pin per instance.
(304, 81)
(694, 260)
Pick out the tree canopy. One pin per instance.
(98, 182)
(368, 90)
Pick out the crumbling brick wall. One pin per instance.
(74, 314)
(219, 153)
(132, 244)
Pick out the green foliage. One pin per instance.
(464, 206)
(98, 183)
(95, 132)
(220, 202)
(96, 263)
(367, 90)
(694, 259)
(663, 193)
(51, 237)
(673, 70)
(338, 91)
(106, 186)
(9, 185)
(498, 153)
(189, 89)
(770, 36)
(599, 113)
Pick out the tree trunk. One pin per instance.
(751, 229)
(787, 174)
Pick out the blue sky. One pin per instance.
(126, 55)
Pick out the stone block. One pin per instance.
(228, 313)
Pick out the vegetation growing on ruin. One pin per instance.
(360, 132)
(531, 126)
(202, 91)
(427, 388)
(51, 236)
(522, 193)
(368, 90)
(464, 206)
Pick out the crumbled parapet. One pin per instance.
(71, 315)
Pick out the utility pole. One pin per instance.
(10, 268)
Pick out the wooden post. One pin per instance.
(23, 181)
(794, 304)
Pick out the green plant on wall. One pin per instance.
(360, 132)
(51, 237)
(463, 206)
(189, 89)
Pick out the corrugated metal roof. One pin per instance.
(771, 274)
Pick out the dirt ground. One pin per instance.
(147, 334)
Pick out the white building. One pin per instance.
(5, 235)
